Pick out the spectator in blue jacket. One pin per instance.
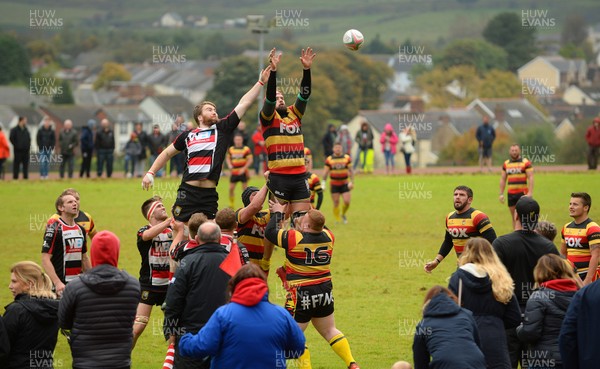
(447, 336)
(248, 332)
(87, 148)
(485, 137)
(579, 332)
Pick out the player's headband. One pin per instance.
(152, 208)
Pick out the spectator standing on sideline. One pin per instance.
(87, 148)
(231, 333)
(364, 152)
(520, 251)
(46, 141)
(197, 289)
(344, 138)
(329, 138)
(485, 288)
(176, 163)
(447, 336)
(133, 149)
(260, 151)
(408, 139)
(105, 148)
(592, 136)
(546, 310)
(157, 143)
(241, 131)
(31, 319)
(140, 167)
(68, 142)
(577, 341)
(485, 137)
(21, 141)
(4, 151)
(389, 140)
(98, 309)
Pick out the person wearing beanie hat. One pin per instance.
(252, 221)
(592, 137)
(520, 251)
(87, 148)
(103, 291)
(581, 238)
(229, 336)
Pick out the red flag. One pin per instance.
(232, 262)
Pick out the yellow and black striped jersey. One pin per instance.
(339, 169)
(579, 238)
(239, 157)
(314, 185)
(461, 227)
(252, 234)
(516, 172)
(308, 256)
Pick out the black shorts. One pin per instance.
(239, 178)
(192, 199)
(486, 152)
(307, 302)
(340, 189)
(289, 187)
(513, 198)
(150, 297)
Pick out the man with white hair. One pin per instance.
(197, 289)
(68, 141)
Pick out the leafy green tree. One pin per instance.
(14, 62)
(506, 30)
(480, 54)
(574, 30)
(376, 46)
(538, 144)
(573, 148)
(111, 72)
(41, 49)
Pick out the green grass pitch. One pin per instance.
(395, 225)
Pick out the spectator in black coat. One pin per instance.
(99, 309)
(578, 340)
(140, 164)
(447, 336)
(198, 289)
(156, 143)
(105, 148)
(520, 251)
(46, 141)
(31, 320)
(546, 309)
(87, 148)
(328, 140)
(484, 287)
(21, 140)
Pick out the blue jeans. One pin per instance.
(105, 156)
(389, 158)
(407, 159)
(130, 162)
(360, 158)
(44, 159)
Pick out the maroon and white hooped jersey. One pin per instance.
(66, 244)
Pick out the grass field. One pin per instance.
(395, 225)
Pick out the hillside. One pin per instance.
(312, 21)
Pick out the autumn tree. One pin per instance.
(506, 30)
(111, 72)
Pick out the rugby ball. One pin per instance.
(353, 39)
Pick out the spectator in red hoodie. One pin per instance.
(592, 136)
(98, 308)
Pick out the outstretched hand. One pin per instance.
(306, 57)
(264, 75)
(274, 58)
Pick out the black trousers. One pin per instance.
(21, 158)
